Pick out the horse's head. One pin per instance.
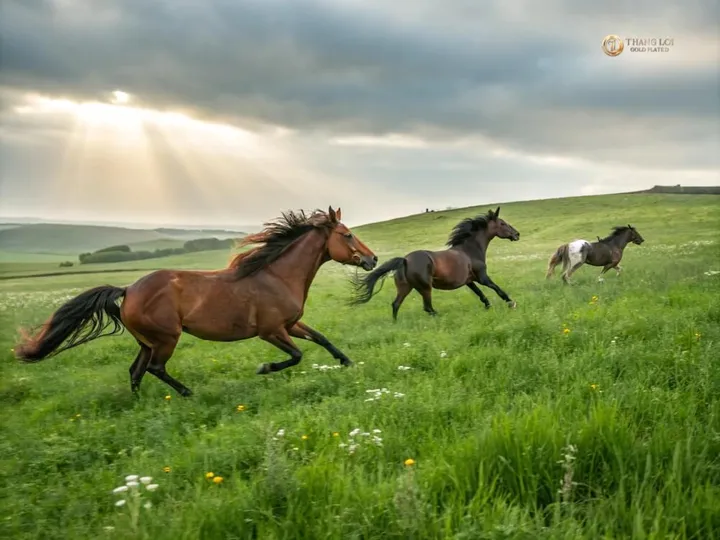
(346, 248)
(635, 236)
(500, 227)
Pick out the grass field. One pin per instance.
(517, 427)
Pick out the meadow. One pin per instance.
(590, 411)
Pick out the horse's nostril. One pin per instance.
(375, 259)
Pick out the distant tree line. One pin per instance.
(124, 253)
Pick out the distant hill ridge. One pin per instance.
(75, 239)
(686, 190)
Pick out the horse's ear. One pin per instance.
(629, 226)
(497, 212)
(338, 214)
(332, 214)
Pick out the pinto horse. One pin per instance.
(462, 264)
(606, 252)
(262, 293)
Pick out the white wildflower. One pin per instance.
(146, 479)
(121, 502)
(120, 489)
(131, 477)
(443, 354)
(152, 487)
(404, 368)
(280, 433)
(147, 505)
(376, 431)
(406, 344)
(354, 432)
(132, 484)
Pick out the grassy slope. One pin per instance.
(486, 422)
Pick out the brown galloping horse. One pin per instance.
(606, 252)
(262, 294)
(462, 264)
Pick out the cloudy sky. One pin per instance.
(230, 111)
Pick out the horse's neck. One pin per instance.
(621, 241)
(299, 265)
(477, 246)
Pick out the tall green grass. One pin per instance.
(517, 429)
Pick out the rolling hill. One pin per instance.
(70, 240)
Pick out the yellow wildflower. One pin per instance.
(409, 462)
(304, 437)
(566, 331)
(168, 397)
(209, 475)
(336, 434)
(240, 408)
(167, 469)
(593, 387)
(697, 335)
(218, 479)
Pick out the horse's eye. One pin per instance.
(348, 235)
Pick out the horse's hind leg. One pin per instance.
(426, 293)
(567, 274)
(403, 289)
(139, 366)
(161, 353)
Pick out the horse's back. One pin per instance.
(576, 246)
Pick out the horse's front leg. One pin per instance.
(485, 280)
(303, 331)
(474, 288)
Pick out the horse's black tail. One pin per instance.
(77, 321)
(364, 285)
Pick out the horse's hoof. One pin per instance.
(263, 369)
(347, 363)
(512, 305)
(186, 393)
(487, 306)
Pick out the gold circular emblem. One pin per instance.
(612, 45)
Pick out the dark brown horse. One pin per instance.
(462, 264)
(262, 294)
(606, 252)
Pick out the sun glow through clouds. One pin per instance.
(120, 97)
(165, 162)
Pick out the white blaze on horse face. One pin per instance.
(575, 251)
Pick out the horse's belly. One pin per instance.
(446, 285)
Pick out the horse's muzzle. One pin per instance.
(368, 263)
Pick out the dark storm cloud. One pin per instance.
(528, 75)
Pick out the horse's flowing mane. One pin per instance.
(468, 228)
(275, 238)
(616, 231)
